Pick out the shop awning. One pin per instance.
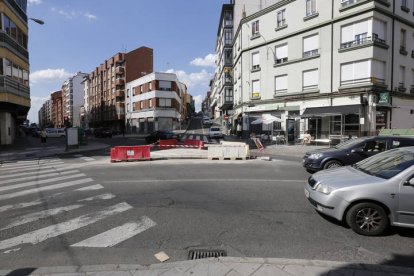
(325, 111)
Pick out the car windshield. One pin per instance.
(215, 129)
(386, 165)
(349, 143)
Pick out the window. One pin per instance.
(281, 53)
(401, 82)
(402, 40)
(228, 37)
(281, 83)
(255, 28)
(150, 86)
(255, 89)
(141, 105)
(256, 61)
(165, 102)
(310, 45)
(379, 30)
(310, 7)
(363, 71)
(228, 94)
(281, 21)
(356, 33)
(150, 103)
(310, 79)
(228, 18)
(165, 85)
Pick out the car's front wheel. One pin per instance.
(367, 219)
(332, 164)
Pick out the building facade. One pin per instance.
(104, 89)
(344, 68)
(157, 101)
(45, 114)
(14, 68)
(73, 98)
(57, 109)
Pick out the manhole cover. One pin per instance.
(195, 254)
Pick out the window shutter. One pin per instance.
(282, 51)
(311, 78)
(255, 59)
(311, 43)
(281, 83)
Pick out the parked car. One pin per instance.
(215, 132)
(55, 132)
(207, 121)
(352, 151)
(161, 135)
(370, 195)
(103, 132)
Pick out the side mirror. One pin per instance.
(409, 182)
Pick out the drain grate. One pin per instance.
(195, 254)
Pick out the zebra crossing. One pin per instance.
(204, 138)
(32, 191)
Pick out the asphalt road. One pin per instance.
(248, 208)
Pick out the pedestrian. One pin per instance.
(239, 130)
(306, 138)
(43, 136)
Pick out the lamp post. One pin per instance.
(38, 21)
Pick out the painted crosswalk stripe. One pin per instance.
(19, 205)
(30, 162)
(118, 234)
(37, 176)
(103, 197)
(28, 169)
(58, 229)
(37, 182)
(40, 215)
(25, 166)
(91, 188)
(46, 188)
(40, 171)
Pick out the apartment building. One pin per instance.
(205, 105)
(57, 109)
(104, 88)
(73, 98)
(14, 68)
(157, 101)
(45, 114)
(335, 68)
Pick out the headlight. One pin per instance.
(323, 188)
(315, 156)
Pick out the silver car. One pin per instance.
(369, 195)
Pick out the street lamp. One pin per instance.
(38, 21)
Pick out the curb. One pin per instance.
(294, 266)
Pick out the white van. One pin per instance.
(55, 132)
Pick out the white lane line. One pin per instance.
(46, 188)
(88, 159)
(58, 229)
(59, 166)
(103, 197)
(205, 139)
(40, 171)
(38, 175)
(78, 155)
(15, 167)
(118, 234)
(37, 182)
(40, 215)
(91, 188)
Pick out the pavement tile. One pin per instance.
(299, 270)
(152, 272)
(233, 273)
(109, 273)
(61, 274)
(208, 269)
(244, 269)
(271, 270)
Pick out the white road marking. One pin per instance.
(58, 229)
(46, 188)
(25, 166)
(20, 205)
(40, 171)
(88, 159)
(37, 182)
(38, 175)
(118, 234)
(40, 215)
(91, 188)
(37, 161)
(204, 180)
(103, 196)
(59, 166)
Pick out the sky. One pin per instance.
(79, 35)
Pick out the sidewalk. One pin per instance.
(224, 266)
(293, 150)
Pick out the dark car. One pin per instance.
(352, 151)
(103, 132)
(160, 135)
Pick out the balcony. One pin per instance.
(119, 58)
(364, 82)
(403, 51)
(119, 82)
(401, 87)
(281, 60)
(364, 41)
(120, 93)
(345, 4)
(119, 70)
(311, 53)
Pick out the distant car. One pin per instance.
(369, 195)
(103, 132)
(215, 132)
(352, 151)
(161, 135)
(55, 132)
(207, 121)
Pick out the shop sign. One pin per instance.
(384, 98)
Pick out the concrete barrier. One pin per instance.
(229, 150)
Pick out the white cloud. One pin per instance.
(75, 14)
(197, 102)
(34, 2)
(36, 104)
(192, 79)
(49, 75)
(207, 61)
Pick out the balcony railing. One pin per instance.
(403, 51)
(7, 84)
(281, 23)
(5, 38)
(372, 80)
(401, 87)
(281, 60)
(311, 53)
(363, 40)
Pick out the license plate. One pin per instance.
(306, 193)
